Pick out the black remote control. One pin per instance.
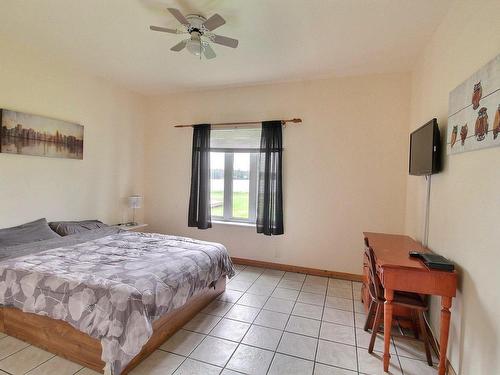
(415, 254)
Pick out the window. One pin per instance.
(233, 174)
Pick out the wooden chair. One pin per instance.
(411, 300)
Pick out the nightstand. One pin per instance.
(133, 228)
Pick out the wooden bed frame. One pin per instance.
(58, 337)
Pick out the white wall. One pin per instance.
(63, 189)
(465, 199)
(345, 166)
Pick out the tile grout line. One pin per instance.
(258, 347)
(355, 328)
(222, 317)
(397, 355)
(321, 325)
(291, 314)
(260, 310)
(300, 316)
(53, 355)
(295, 333)
(284, 328)
(17, 351)
(77, 371)
(196, 346)
(205, 335)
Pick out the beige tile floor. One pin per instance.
(267, 322)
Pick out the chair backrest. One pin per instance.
(375, 288)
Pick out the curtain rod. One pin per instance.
(283, 122)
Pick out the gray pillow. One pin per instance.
(37, 230)
(65, 228)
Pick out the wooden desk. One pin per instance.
(397, 271)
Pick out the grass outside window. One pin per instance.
(240, 204)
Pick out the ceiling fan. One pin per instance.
(200, 30)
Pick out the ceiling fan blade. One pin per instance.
(163, 29)
(208, 51)
(214, 22)
(179, 46)
(225, 41)
(179, 16)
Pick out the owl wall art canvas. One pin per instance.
(474, 111)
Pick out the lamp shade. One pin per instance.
(135, 201)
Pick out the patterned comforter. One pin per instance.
(113, 287)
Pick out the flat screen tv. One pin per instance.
(425, 150)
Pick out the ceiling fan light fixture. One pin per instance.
(197, 27)
(194, 45)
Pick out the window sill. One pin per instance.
(235, 223)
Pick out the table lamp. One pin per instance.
(134, 202)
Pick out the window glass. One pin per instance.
(217, 183)
(241, 185)
(234, 173)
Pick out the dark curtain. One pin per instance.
(270, 194)
(199, 200)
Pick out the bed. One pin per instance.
(107, 298)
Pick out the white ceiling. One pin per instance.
(280, 40)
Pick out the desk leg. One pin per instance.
(444, 333)
(389, 295)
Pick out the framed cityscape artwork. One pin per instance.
(26, 134)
